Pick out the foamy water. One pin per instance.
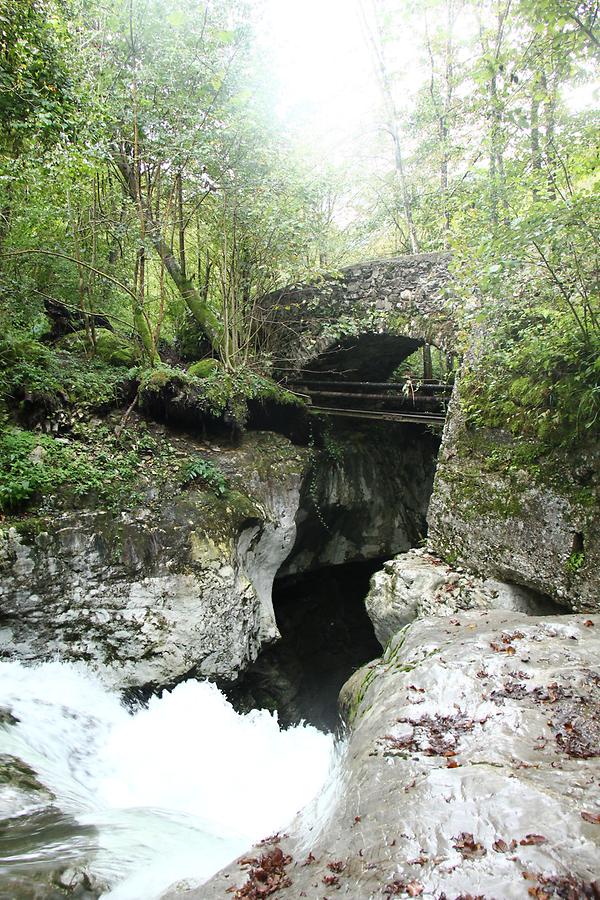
(174, 790)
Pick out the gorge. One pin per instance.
(284, 556)
(299, 450)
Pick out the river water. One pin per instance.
(148, 796)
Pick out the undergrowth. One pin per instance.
(537, 377)
(92, 463)
(30, 370)
(198, 468)
(220, 394)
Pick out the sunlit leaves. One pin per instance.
(35, 84)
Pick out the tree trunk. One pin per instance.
(5, 214)
(404, 188)
(444, 122)
(536, 156)
(205, 317)
(550, 152)
(181, 224)
(392, 116)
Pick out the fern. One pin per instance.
(200, 469)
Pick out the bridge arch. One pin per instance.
(359, 324)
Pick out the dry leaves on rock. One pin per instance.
(400, 886)
(266, 876)
(501, 846)
(468, 847)
(591, 817)
(565, 887)
(432, 735)
(336, 866)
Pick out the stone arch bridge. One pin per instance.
(359, 324)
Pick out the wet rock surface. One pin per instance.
(419, 584)
(471, 770)
(42, 850)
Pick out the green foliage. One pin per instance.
(218, 394)
(575, 562)
(35, 85)
(204, 368)
(31, 369)
(498, 169)
(537, 377)
(198, 468)
(110, 347)
(332, 449)
(232, 390)
(34, 466)
(156, 380)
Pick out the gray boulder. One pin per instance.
(419, 583)
(471, 769)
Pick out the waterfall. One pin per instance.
(174, 789)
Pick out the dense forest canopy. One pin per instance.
(158, 176)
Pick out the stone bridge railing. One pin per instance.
(364, 320)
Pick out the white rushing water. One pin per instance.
(176, 789)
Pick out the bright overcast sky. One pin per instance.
(323, 66)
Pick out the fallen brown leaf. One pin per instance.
(591, 817)
(468, 847)
(336, 866)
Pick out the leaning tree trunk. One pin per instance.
(198, 306)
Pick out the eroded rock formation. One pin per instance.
(418, 584)
(182, 582)
(180, 585)
(365, 497)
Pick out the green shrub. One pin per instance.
(30, 368)
(94, 462)
(536, 376)
(575, 561)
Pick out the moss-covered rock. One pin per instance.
(516, 512)
(204, 367)
(112, 348)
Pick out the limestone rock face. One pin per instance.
(366, 499)
(146, 596)
(471, 769)
(540, 530)
(419, 584)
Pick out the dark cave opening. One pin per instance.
(325, 636)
